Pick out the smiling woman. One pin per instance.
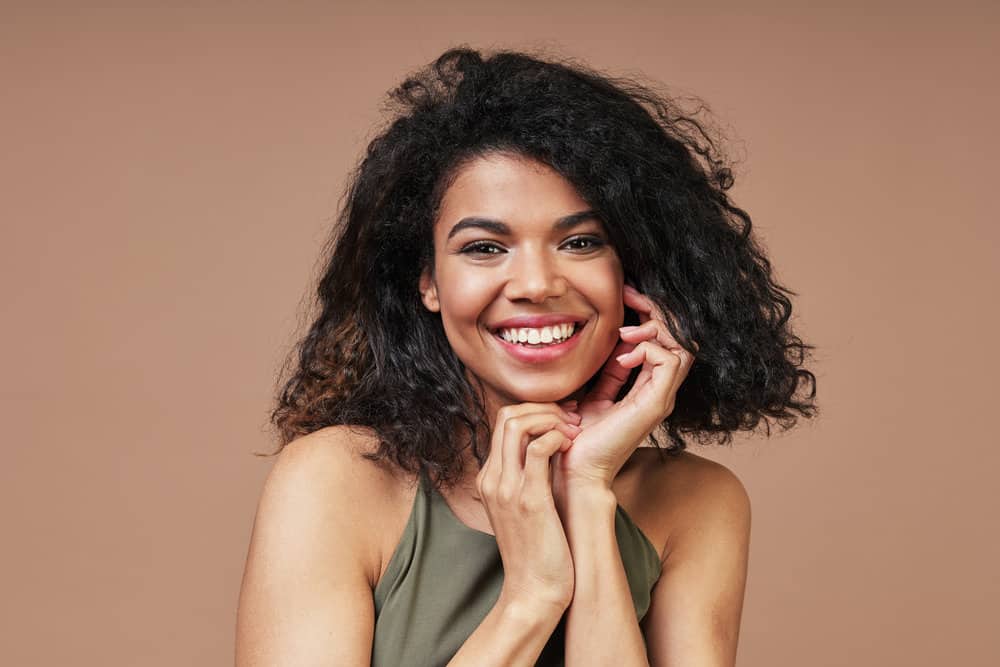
(517, 248)
(537, 272)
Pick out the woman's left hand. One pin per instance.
(612, 431)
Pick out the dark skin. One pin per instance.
(532, 266)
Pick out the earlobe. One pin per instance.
(428, 292)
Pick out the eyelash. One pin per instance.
(475, 248)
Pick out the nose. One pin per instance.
(534, 276)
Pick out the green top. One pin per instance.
(444, 577)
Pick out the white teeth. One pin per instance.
(543, 335)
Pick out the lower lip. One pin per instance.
(540, 355)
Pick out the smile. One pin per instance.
(534, 349)
(542, 336)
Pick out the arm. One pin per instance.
(694, 614)
(512, 634)
(601, 625)
(306, 597)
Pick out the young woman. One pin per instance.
(469, 470)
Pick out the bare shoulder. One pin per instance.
(696, 603)
(326, 474)
(306, 594)
(693, 494)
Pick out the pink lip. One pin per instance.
(540, 355)
(536, 321)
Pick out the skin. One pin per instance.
(481, 276)
(306, 596)
(532, 270)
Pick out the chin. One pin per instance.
(542, 394)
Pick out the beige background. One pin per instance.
(168, 176)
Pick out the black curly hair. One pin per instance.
(376, 358)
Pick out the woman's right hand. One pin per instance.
(516, 490)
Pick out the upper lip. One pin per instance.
(536, 321)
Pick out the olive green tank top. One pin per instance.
(444, 577)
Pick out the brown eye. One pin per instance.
(584, 243)
(481, 248)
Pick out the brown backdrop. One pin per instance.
(168, 176)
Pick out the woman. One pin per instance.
(463, 478)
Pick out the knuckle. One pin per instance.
(536, 449)
(516, 423)
(506, 494)
(529, 503)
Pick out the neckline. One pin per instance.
(437, 497)
(490, 536)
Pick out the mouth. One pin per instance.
(539, 337)
(540, 344)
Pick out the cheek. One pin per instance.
(603, 287)
(464, 296)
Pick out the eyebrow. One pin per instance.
(501, 228)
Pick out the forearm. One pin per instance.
(513, 633)
(601, 624)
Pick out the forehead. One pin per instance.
(517, 190)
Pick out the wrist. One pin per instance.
(539, 610)
(585, 499)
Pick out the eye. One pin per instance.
(584, 243)
(481, 248)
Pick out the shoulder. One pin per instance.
(322, 488)
(306, 592)
(696, 498)
(696, 603)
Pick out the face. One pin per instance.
(527, 284)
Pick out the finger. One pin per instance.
(519, 409)
(652, 329)
(517, 432)
(659, 328)
(638, 302)
(489, 475)
(661, 366)
(646, 308)
(652, 353)
(667, 340)
(565, 411)
(508, 411)
(613, 375)
(538, 455)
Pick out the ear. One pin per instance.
(428, 292)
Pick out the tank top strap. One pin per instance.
(640, 558)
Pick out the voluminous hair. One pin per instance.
(375, 358)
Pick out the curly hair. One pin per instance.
(375, 358)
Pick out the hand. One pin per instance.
(612, 431)
(516, 491)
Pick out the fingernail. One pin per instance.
(627, 329)
(621, 356)
(575, 415)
